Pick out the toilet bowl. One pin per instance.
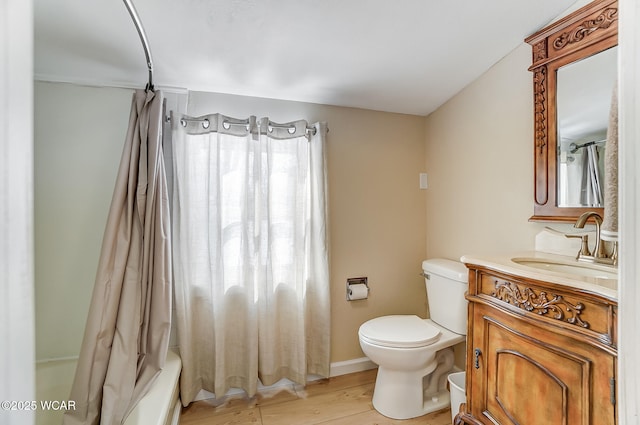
(412, 353)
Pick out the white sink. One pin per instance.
(599, 271)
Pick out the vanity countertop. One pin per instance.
(594, 283)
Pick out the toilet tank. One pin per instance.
(446, 282)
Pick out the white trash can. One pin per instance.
(456, 388)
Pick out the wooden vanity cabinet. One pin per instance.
(538, 353)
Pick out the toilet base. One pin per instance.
(406, 400)
(403, 408)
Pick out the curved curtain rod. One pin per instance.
(573, 148)
(143, 39)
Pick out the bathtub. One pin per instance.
(160, 406)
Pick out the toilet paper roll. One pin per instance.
(358, 292)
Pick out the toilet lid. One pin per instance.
(403, 331)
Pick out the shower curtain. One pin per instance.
(591, 192)
(250, 253)
(127, 332)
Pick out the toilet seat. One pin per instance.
(400, 331)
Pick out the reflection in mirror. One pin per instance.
(584, 90)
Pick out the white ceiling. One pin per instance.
(407, 56)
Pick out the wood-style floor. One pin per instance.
(343, 400)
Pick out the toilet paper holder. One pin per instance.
(356, 281)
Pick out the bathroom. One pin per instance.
(478, 200)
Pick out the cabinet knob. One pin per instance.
(477, 352)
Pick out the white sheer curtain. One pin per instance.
(250, 253)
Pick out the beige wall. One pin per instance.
(479, 157)
(377, 212)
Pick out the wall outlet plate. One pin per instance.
(423, 181)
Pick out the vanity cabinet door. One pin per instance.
(524, 374)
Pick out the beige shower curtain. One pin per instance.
(127, 331)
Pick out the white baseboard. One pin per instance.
(337, 369)
(351, 366)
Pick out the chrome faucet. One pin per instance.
(599, 255)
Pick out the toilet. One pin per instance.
(414, 355)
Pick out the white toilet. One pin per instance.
(413, 354)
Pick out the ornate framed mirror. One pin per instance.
(574, 72)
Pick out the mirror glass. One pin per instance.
(584, 90)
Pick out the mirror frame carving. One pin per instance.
(585, 32)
